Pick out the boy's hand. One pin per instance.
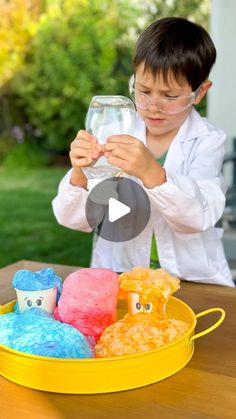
(84, 151)
(134, 158)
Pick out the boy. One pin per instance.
(172, 61)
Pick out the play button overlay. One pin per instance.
(117, 209)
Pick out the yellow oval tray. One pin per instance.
(90, 376)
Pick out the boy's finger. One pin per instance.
(78, 147)
(109, 147)
(78, 152)
(116, 161)
(81, 143)
(112, 146)
(85, 161)
(120, 152)
(82, 134)
(122, 139)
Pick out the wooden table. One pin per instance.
(205, 388)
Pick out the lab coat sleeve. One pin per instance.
(69, 205)
(194, 201)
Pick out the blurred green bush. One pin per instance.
(25, 155)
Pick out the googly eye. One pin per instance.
(134, 306)
(38, 302)
(29, 303)
(148, 307)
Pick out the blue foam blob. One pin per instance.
(44, 279)
(36, 332)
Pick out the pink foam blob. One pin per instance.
(89, 300)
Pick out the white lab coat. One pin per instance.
(184, 210)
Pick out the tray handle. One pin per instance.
(214, 326)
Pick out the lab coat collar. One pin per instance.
(191, 129)
(193, 126)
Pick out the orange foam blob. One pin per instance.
(146, 326)
(126, 338)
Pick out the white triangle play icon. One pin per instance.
(116, 210)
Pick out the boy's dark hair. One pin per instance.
(176, 45)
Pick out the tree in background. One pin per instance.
(195, 10)
(18, 26)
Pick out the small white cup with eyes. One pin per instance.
(45, 299)
(135, 306)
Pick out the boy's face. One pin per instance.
(163, 97)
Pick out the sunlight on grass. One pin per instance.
(29, 229)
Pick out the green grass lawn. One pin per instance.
(29, 229)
